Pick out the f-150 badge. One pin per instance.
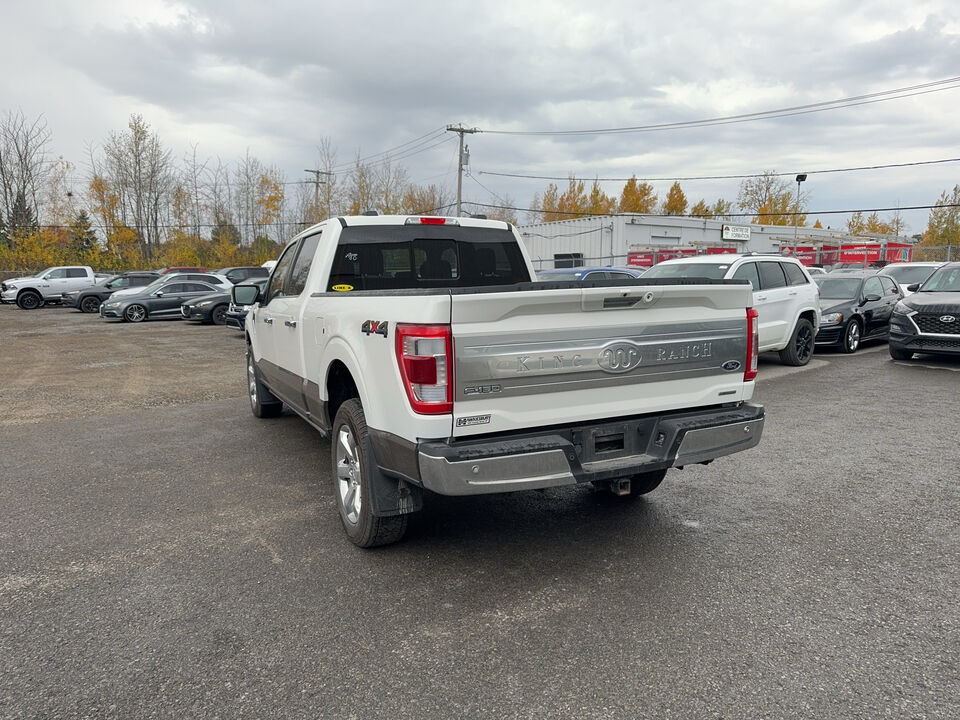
(374, 327)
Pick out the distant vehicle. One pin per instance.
(240, 274)
(218, 281)
(910, 273)
(88, 299)
(207, 308)
(47, 286)
(168, 270)
(784, 296)
(155, 302)
(855, 306)
(270, 264)
(815, 270)
(928, 321)
(607, 272)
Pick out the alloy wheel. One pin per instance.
(348, 475)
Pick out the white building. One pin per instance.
(634, 239)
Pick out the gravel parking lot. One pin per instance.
(165, 554)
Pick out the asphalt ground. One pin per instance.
(163, 553)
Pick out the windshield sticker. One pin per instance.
(342, 288)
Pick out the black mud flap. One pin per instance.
(389, 495)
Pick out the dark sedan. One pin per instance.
(855, 306)
(88, 299)
(155, 302)
(207, 308)
(928, 321)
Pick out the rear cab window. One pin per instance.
(391, 257)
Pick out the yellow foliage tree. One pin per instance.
(676, 202)
(574, 200)
(637, 197)
(943, 225)
(548, 205)
(599, 203)
(701, 209)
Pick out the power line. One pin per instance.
(853, 101)
(727, 177)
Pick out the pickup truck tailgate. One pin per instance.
(540, 357)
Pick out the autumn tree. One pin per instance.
(771, 200)
(676, 201)
(23, 165)
(598, 202)
(547, 205)
(701, 209)
(872, 225)
(425, 200)
(943, 224)
(637, 197)
(361, 191)
(574, 200)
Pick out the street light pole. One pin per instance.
(796, 214)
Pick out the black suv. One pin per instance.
(240, 274)
(928, 321)
(88, 299)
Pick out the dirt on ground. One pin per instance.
(58, 362)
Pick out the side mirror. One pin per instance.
(159, 293)
(871, 298)
(245, 294)
(914, 287)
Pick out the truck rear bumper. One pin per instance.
(571, 455)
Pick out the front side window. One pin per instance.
(275, 286)
(873, 287)
(57, 274)
(174, 288)
(297, 280)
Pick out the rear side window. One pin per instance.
(771, 276)
(391, 257)
(76, 273)
(794, 274)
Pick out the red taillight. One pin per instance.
(425, 358)
(753, 344)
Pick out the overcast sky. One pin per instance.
(275, 78)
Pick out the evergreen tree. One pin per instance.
(82, 236)
(23, 218)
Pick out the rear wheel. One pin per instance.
(90, 304)
(851, 337)
(263, 403)
(29, 300)
(351, 480)
(800, 348)
(900, 354)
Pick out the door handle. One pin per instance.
(290, 323)
(761, 297)
(793, 293)
(268, 320)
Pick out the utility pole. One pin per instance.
(316, 188)
(461, 131)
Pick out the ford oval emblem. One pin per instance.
(731, 365)
(947, 318)
(619, 357)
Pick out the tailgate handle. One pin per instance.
(611, 299)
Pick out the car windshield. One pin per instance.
(714, 271)
(908, 274)
(105, 280)
(837, 288)
(943, 280)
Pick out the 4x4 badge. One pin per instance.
(374, 327)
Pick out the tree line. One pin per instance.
(140, 206)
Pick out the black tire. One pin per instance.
(900, 354)
(90, 304)
(647, 482)
(351, 482)
(29, 300)
(135, 313)
(850, 341)
(263, 403)
(800, 348)
(218, 316)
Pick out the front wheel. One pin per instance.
(29, 300)
(219, 315)
(800, 348)
(135, 313)
(351, 481)
(90, 304)
(851, 337)
(263, 403)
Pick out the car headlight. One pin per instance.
(111, 304)
(831, 318)
(901, 308)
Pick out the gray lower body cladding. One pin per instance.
(568, 455)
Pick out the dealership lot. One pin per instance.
(163, 553)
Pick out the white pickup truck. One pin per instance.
(422, 347)
(47, 286)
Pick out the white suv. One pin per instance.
(785, 298)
